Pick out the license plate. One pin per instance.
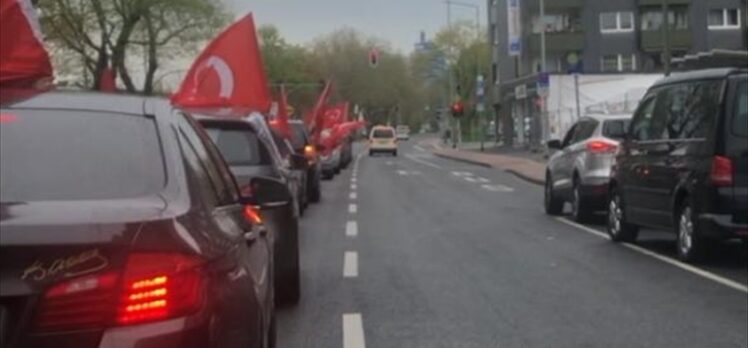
(383, 142)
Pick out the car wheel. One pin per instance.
(553, 205)
(371, 153)
(288, 286)
(691, 247)
(618, 229)
(394, 153)
(337, 170)
(580, 210)
(316, 194)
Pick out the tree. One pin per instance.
(101, 33)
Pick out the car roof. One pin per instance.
(80, 100)
(703, 74)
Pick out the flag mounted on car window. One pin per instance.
(24, 61)
(228, 76)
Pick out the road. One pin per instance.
(419, 251)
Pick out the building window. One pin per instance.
(618, 63)
(557, 23)
(651, 18)
(724, 18)
(616, 22)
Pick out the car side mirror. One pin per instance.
(267, 193)
(554, 144)
(299, 162)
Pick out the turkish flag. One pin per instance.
(335, 115)
(23, 59)
(228, 74)
(280, 123)
(334, 136)
(314, 120)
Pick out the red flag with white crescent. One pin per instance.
(313, 119)
(280, 123)
(23, 59)
(228, 74)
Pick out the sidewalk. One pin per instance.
(527, 166)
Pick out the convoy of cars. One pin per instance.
(680, 165)
(127, 222)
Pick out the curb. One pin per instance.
(463, 160)
(518, 174)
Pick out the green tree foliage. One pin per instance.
(89, 35)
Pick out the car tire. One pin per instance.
(618, 229)
(288, 287)
(394, 153)
(371, 153)
(691, 246)
(553, 205)
(580, 209)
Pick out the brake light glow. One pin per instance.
(8, 118)
(252, 214)
(721, 173)
(152, 286)
(599, 146)
(310, 153)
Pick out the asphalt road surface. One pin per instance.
(419, 251)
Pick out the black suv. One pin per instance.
(684, 162)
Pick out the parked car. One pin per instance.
(346, 152)
(249, 155)
(330, 163)
(295, 172)
(684, 163)
(302, 144)
(382, 139)
(123, 227)
(579, 170)
(403, 132)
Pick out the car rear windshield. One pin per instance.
(298, 139)
(239, 147)
(53, 155)
(383, 133)
(615, 129)
(740, 116)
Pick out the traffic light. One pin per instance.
(374, 58)
(457, 109)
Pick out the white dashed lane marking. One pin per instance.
(352, 208)
(350, 264)
(353, 331)
(497, 188)
(351, 229)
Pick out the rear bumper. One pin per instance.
(186, 332)
(595, 190)
(721, 226)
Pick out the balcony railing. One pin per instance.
(557, 42)
(679, 39)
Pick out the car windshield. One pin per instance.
(239, 147)
(382, 134)
(62, 155)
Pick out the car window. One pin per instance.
(225, 193)
(615, 129)
(584, 131)
(239, 147)
(198, 173)
(641, 124)
(740, 114)
(569, 135)
(53, 155)
(689, 109)
(382, 134)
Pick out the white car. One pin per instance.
(403, 132)
(382, 139)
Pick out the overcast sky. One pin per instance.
(397, 21)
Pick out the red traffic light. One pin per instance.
(374, 58)
(458, 109)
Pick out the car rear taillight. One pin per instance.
(599, 146)
(721, 173)
(252, 215)
(310, 153)
(153, 286)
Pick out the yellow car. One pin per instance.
(382, 139)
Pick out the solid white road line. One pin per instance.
(351, 229)
(418, 160)
(671, 261)
(352, 208)
(353, 331)
(350, 264)
(496, 188)
(353, 196)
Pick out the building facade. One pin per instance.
(602, 37)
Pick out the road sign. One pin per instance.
(480, 89)
(520, 92)
(514, 24)
(543, 84)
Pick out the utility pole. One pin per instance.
(543, 69)
(666, 55)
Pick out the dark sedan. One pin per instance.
(123, 227)
(251, 155)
